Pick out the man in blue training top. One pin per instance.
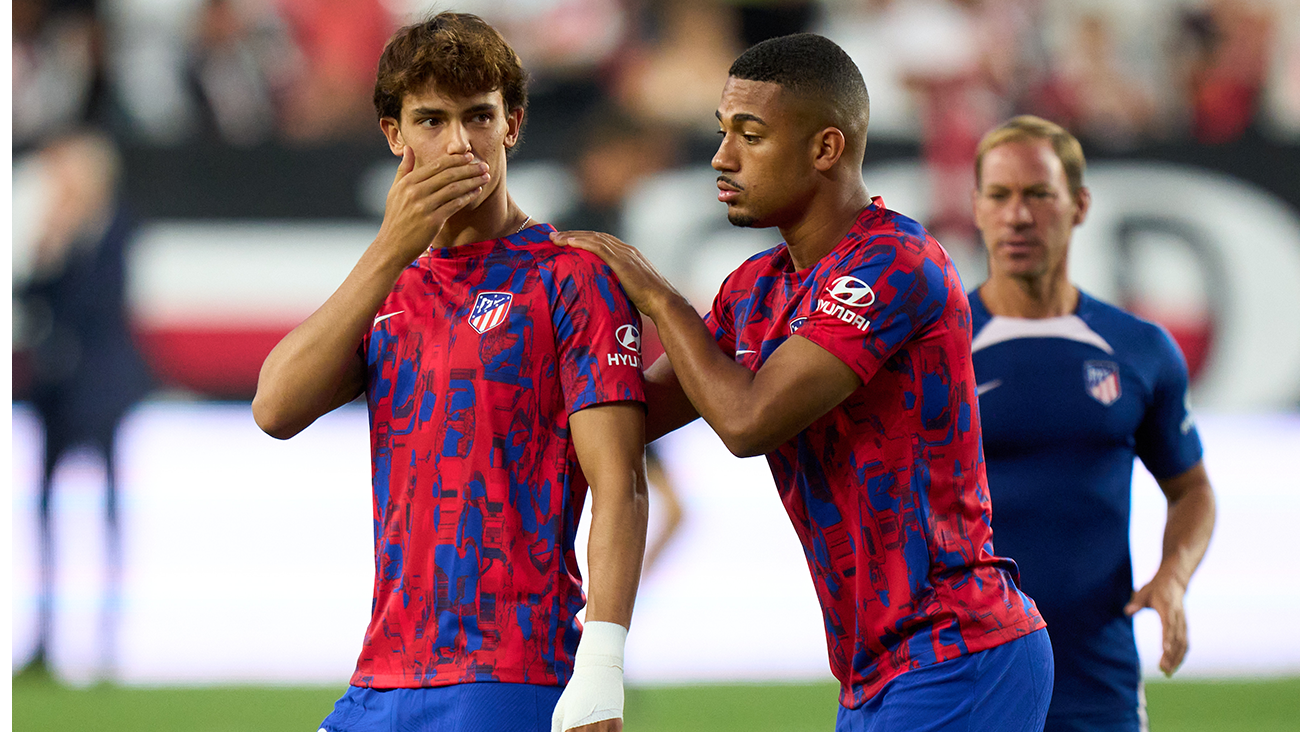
(1071, 389)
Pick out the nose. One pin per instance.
(1018, 213)
(724, 159)
(458, 139)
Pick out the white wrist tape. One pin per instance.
(595, 693)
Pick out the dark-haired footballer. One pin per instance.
(844, 356)
(503, 379)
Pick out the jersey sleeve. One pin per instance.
(598, 336)
(1167, 441)
(874, 303)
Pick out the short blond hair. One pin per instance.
(1029, 127)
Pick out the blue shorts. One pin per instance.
(476, 707)
(1006, 688)
(1088, 724)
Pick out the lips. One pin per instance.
(727, 191)
(1019, 246)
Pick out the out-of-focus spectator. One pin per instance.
(240, 66)
(573, 50)
(615, 152)
(340, 42)
(1092, 93)
(59, 81)
(1282, 92)
(1225, 48)
(74, 357)
(764, 19)
(674, 78)
(942, 59)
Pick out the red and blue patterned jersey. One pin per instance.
(886, 491)
(474, 364)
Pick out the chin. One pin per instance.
(736, 218)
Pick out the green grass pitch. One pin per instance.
(1271, 705)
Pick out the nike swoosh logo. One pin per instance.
(743, 352)
(386, 316)
(987, 386)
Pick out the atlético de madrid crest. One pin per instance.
(490, 310)
(1101, 378)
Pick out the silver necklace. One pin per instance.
(523, 225)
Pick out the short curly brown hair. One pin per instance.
(458, 53)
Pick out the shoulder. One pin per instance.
(1141, 339)
(767, 263)
(572, 273)
(1111, 320)
(886, 240)
(888, 221)
(563, 260)
(897, 258)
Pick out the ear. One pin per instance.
(827, 148)
(1082, 201)
(393, 133)
(514, 123)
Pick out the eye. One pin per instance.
(750, 138)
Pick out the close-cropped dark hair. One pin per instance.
(458, 53)
(812, 67)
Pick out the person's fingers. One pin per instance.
(407, 165)
(604, 246)
(1140, 599)
(429, 197)
(582, 240)
(1175, 640)
(449, 209)
(435, 174)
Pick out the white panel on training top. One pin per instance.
(1069, 327)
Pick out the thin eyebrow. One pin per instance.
(742, 117)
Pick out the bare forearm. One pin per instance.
(609, 440)
(719, 388)
(1188, 527)
(307, 372)
(753, 412)
(615, 550)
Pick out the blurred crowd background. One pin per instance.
(193, 177)
(247, 72)
(260, 109)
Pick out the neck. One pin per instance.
(1029, 297)
(824, 222)
(492, 218)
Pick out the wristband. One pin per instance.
(595, 692)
